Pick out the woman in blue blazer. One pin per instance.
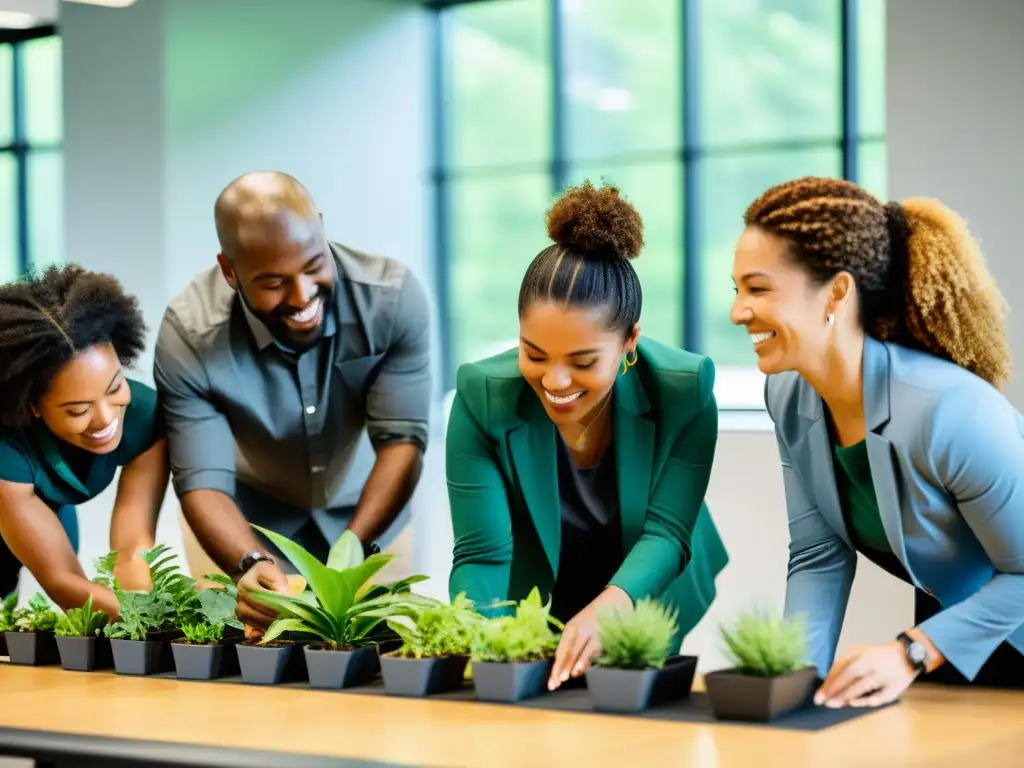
(883, 338)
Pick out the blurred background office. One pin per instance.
(438, 133)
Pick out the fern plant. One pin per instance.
(438, 629)
(531, 634)
(7, 611)
(766, 644)
(81, 622)
(37, 616)
(172, 600)
(640, 638)
(340, 605)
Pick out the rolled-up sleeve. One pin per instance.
(201, 445)
(398, 401)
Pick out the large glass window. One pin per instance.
(691, 107)
(31, 167)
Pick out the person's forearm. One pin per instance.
(70, 590)
(395, 474)
(220, 527)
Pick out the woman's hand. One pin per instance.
(132, 572)
(579, 644)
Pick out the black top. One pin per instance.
(591, 550)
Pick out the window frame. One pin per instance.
(20, 148)
(738, 389)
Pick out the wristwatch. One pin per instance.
(370, 548)
(917, 654)
(249, 559)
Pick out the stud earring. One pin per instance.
(831, 319)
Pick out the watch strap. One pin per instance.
(250, 559)
(915, 652)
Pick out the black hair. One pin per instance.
(596, 232)
(47, 319)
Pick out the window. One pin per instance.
(691, 107)
(31, 169)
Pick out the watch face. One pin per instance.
(917, 653)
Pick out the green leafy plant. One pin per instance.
(216, 612)
(340, 606)
(766, 644)
(172, 600)
(528, 635)
(640, 638)
(7, 611)
(81, 622)
(37, 616)
(438, 630)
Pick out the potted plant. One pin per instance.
(435, 649)
(512, 655)
(341, 611)
(80, 641)
(31, 642)
(7, 618)
(203, 653)
(148, 620)
(634, 670)
(769, 675)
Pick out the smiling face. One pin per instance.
(85, 402)
(570, 358)
(782, 308)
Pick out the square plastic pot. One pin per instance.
(32, 649)
(84, 654)
(634, 690)
(141, 657)
(271, 664)
(336, 669)
(513, 681)
(204, 662)
(422, 677)
(738, 696)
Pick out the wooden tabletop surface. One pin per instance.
(932, 727)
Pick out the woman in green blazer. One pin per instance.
(578, 462)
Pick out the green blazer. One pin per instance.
(503, 482)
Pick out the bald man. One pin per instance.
(270, 366)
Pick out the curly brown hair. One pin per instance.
(46, 320)
(596, 233)
(921, 277)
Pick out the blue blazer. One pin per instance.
(947, 462)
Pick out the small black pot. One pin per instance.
(422, 677)
(3, 643)
(634, 690)
(84, 654)
(736, 696)
(329, 668)
(204, 662)
(271, 665)
(497, 681)
(32, 649)
(141, 657)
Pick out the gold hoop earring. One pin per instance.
(627, 363)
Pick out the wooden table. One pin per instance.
(932, 727)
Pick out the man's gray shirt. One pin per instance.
(244, 414)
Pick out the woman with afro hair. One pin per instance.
(69, 419)
(577, 462)
(882, 336)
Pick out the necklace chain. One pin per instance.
(581, 441)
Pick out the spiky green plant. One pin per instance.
(7, 611)
(81, 622)
(37, 616)
(438, 629)
(341, 606)
(766, 644)
(530, 634)
(639, 638)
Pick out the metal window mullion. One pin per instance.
(690, 140)
(20, 147)
(559, 138)
(850, 87)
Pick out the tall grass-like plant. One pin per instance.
(340, 605)
(438, 629)
(37, 616)
(640, 638)
(765, 644)
(81, 622)
(531, 634)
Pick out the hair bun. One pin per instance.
(596, 222)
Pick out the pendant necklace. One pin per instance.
(581, 441)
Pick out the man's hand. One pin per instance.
(264, 576)
(579, 645)
(867, 676)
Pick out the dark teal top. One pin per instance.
(64, 475)
(857, 496)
